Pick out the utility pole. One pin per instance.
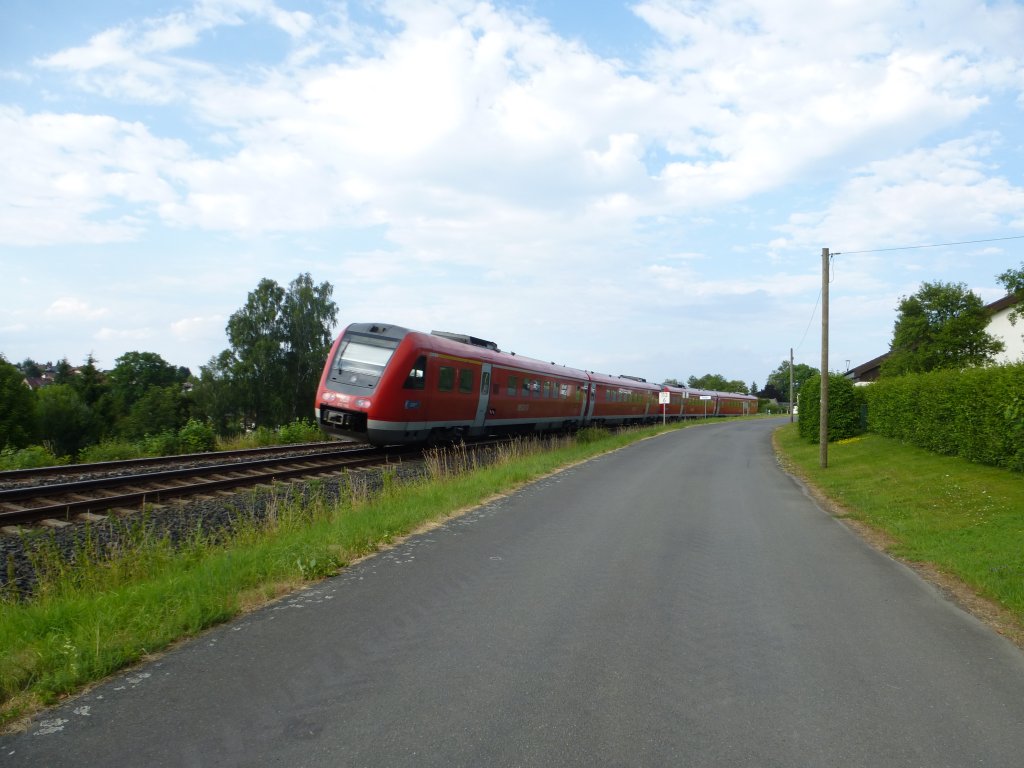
(823, 428)
(790, 385)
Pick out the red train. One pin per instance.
(388, 385)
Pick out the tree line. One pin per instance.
(267, 377)
(278, 341)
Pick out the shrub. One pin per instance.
(111, 450)
(976, 413)
(162, 444)
(299, 431)
(846, 404)
(196, 437)
(261, 437)
(29, 458)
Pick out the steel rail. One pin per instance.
(19, 475)
(252, 473)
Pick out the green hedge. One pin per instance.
(976, 413)
(845, 408)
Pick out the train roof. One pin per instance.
(488, 351)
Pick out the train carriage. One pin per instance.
(389, 385)
(622, 400)
(689, 403)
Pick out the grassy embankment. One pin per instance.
(84, 623)
(960, 523)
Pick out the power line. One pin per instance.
(934, 245)
(814, 312)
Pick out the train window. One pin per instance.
(446, 379)
(485, 382)
(526, 387)
(361, 364)
(547, 389)
(465, 381)
(417, 378)
(513, 386)
(563, 391)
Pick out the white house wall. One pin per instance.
(1011, 335)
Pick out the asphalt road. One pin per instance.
(678, 603)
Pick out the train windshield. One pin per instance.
(361, 364)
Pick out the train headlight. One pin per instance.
(363, 402)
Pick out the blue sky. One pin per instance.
(640, 188)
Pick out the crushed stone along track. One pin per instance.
(59, 503)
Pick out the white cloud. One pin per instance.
(79, 178)
(945, 192)
(137, 60)
(189, 328)
(123, 334)
(69, 306)
(464, 112)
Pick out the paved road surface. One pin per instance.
(678, 603)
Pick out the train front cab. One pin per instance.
(363, 358)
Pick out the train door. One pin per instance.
(589, 400)
(485, 396)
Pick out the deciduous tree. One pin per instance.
(31, 368)
(65, 422)
(309, 315)
(717, 383)
(216, 394)
(160, 409)
(940, 326)
(279, 342)
(777, 385)
(1013, 281)
(135, 373)
(17, 408)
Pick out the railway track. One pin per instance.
(113, 486)
(58, 473)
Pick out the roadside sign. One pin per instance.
(664, 398)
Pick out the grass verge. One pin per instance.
(960, 524)
(106, 613)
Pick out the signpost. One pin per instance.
(664, 398)
(705, 398)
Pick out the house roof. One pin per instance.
(1001, 304)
